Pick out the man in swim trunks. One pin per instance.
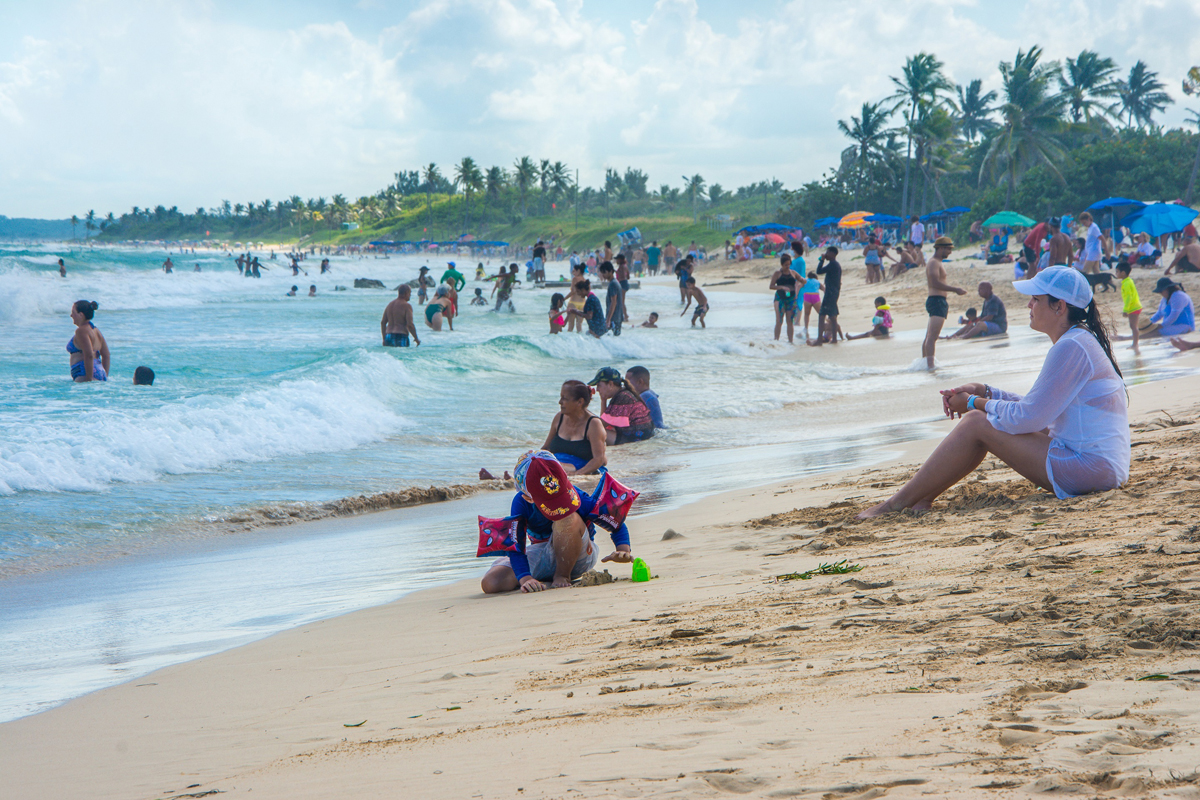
(1061, 250)
(1187, 259)
(539, 262)
(397, 323)
(936, 304)
(828, 266)
(992, 320)
(505, 283)
(653, 257)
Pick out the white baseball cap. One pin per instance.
(1062, 283)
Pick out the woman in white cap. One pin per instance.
(1069, 434)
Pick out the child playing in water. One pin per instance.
(693, 293)
(478, 299)
(651, 321)
(480, 275)
(967, 321)
(811, 295)
(882, 321)
(557, 320)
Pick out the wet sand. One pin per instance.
(993, 647)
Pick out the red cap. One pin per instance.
(540, 477)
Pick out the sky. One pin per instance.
(108, 104)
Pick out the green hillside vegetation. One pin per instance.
(1056, 138)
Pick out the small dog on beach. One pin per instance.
(1104, 279)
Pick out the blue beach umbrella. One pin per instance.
(1159, 218)
(1116, 207)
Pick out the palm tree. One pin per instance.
(560, 179)
(695, 187)
(1032, 114)
(975, 111)
(919, 85)
(90, 223)
(870, 135)
(432, 175)
(1087, 81)
(524, 174)
(1193, 118)
(468, 176)
(939, 150)
(74, 222)
(1142, 95)
(544, 173)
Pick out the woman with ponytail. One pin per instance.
(89, 351)
(1069, 434)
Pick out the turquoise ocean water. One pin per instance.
(263, 400)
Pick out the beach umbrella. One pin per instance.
(1010, 219)
(1159, 218)
(883, 219)
(774, 238)
(1116, 207)
(855, 219)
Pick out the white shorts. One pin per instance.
(542, 561)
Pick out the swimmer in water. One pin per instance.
(557, 318)
(651, 321)
(143, 376)
(197, 269)
(88, 349)
(168, 266)
(292, 293)
(312, 290)
(438, 311)
(397, 323)
(62, 269)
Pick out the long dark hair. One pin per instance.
(1090, 318)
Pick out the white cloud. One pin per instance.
(185, 103)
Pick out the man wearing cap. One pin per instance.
(936, 304)
(560, 528)
(828, 266)
(1175, 315)
(452, 276)
(1061, 251)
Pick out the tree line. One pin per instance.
(934, 143)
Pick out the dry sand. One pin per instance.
(993, 647)
(990, 648)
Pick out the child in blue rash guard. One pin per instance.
(560, 522)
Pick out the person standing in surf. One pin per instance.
(936, 304)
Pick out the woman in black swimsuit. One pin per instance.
(784, 284)
(574, 439)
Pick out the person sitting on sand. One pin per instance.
(1069, 434)
(882, 321)
(992, 319)
(651, 321)
(397, 322)
(1187, 259)
(559, 525)
(439, 311)
(625, 415)
(1175, 315)
(578, 444)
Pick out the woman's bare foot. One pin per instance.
(874, 511)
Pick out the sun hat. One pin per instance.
(1062, 283)
(943, 241)
(606, 374)
(540, 477)
(1163, 284)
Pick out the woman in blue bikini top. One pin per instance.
(88, 349)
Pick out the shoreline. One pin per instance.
(444, 678)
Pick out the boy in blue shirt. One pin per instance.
(639, 379)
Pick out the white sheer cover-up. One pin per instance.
(1079, 400)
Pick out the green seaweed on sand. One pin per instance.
(840, 568)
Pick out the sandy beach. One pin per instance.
(1006, 643)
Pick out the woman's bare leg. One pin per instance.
(779, 322)
(960, 453)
